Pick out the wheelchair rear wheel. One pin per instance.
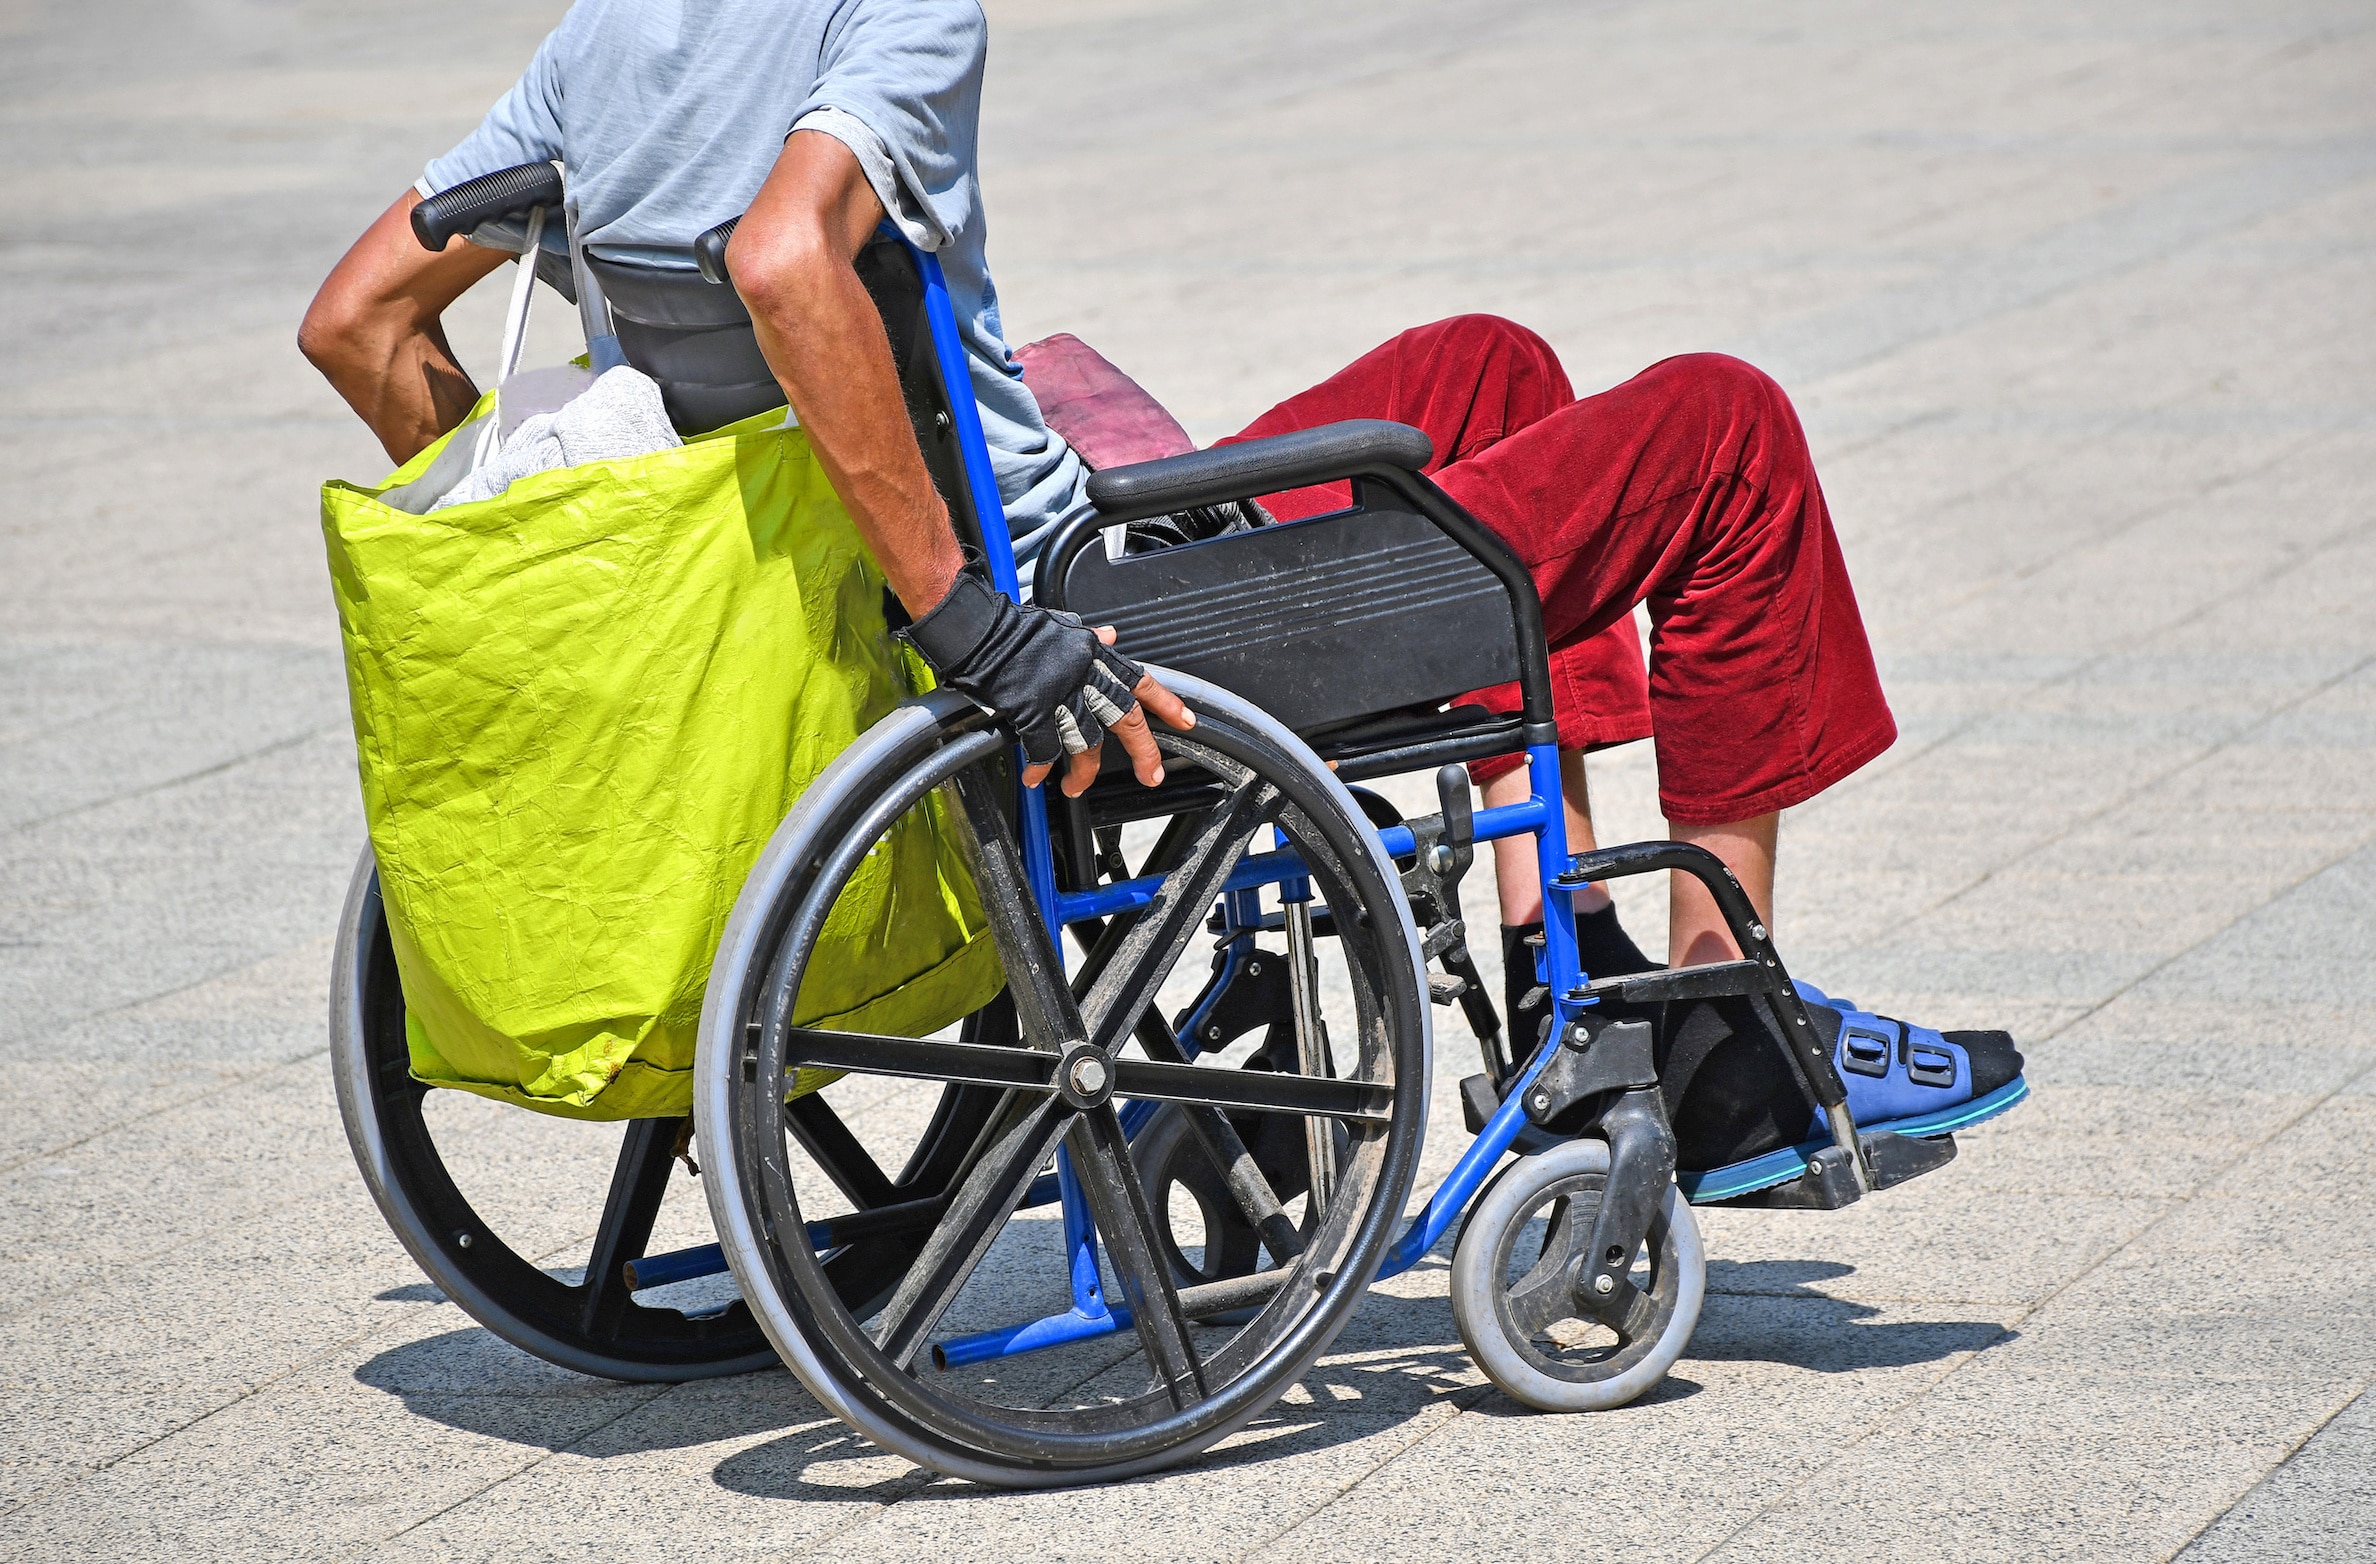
(1167, 1370)
(594, 1324)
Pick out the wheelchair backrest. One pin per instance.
(695, 338)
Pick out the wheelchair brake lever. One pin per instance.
(1459, 840)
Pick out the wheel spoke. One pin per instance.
(1118, 1202)
(1546, 1295)
(1147, 952)
(919, 1058)
(1225, 1149)
(988, 1195)
(1254, 1091)
(637, 1185)
(1216, 1137)
(1034, 968)
(829, 1143)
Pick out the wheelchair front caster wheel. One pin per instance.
(1513, 1286)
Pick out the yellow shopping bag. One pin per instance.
(581, 708)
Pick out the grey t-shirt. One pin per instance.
(668, 115)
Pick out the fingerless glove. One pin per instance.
(1043, 672)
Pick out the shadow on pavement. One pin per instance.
(474, 1380)
(1768, 1311)
(1397, 1359)
(796, 1465)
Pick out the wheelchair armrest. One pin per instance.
(1252, 467)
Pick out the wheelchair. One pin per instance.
(1136, 1195)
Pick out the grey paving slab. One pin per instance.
(2314, 1508)
(2073, 300)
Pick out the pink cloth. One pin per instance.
(1101, 412)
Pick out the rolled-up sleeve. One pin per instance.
(911, 72)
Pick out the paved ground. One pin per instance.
(2075, 298)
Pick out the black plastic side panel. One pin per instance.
(693, 338)
(1315, 621)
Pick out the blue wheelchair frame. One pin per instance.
(1561, 875)
(1092, 1314)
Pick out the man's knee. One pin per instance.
(1722, 381)
(1478, 338)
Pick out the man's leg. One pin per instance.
(1690, 486)
(1469, 383)
(1514, 871)
(1696, 932)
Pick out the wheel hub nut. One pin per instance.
(1604, 1283)
(1088, 1076)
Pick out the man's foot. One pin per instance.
(1732, 1096)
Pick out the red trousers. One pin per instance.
(1690, 488)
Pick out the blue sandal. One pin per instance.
(1900, 1077)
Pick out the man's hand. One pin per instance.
(1059, 684)
(791, 260)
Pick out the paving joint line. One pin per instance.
(1461, 1401)
(491, 1485)
(2263, 1480)
(2166, 962)
(169, 783)
(2132, 794)
(121, 1006)
(244, 1395)
(1849, 787)
(180, 1102)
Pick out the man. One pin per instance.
(1689, 487)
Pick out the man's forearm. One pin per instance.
(374, 331)
(791, 261)
(819, 329)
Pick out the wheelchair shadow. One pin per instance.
(474, 1381)
(1770, 1311)
(1388, 1382)
(1398, 1357)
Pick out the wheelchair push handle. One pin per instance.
(1227, 472)
(508, 192)
(709, 252)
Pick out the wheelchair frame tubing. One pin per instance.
(1091, 1314)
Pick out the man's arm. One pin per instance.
(791, 259)
(373, 331)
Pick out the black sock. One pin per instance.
(1524, 1020)
(1604, 949)
(1731, 1092)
